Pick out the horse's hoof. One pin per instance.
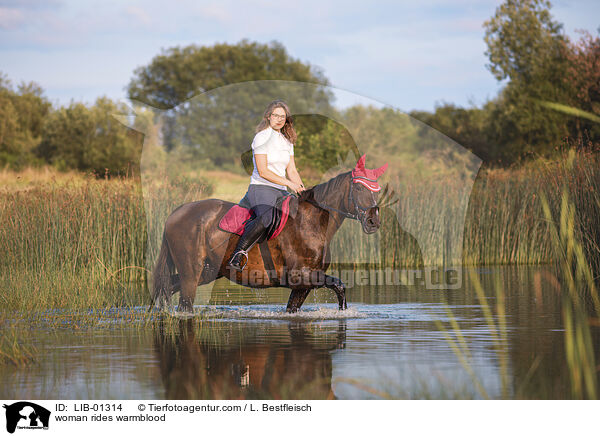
(184, 311)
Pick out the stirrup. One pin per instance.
(239, 266)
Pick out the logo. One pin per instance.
(25, 415)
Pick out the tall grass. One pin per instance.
(580, 308)
(76, 244)
(81, 242)
(581, 302)
(504, 221)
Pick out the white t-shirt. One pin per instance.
(278, 150)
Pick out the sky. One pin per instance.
(406, 54)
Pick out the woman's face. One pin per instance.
(277, 118)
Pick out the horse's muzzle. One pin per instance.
(370, 222)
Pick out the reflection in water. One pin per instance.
(391, 345)
(227, 361)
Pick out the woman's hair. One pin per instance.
(287, 129)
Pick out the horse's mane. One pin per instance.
(324, 192)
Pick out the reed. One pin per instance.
(574, 281)
(504, 221)
(72, 241)
(580, 299)
(15, 347)
(77, 244)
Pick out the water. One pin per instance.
(243, 345)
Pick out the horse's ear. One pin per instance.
(379, 171)
(360, 165)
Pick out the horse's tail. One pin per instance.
(162, 276)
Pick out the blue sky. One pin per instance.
(407, 54)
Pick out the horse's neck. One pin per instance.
(325, 221)
(331, 206)
(334, 202)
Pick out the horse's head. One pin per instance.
(364, 190)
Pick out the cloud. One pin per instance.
(410, 54)
(30, 4)
(11, 18)
(140, 15)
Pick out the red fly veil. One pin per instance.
(367, 177)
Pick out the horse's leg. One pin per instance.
(297, 297)
(339, 288)
(189, 276)
(189, 284)
(175, 285)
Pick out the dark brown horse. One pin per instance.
(195, 248)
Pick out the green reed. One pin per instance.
(92, 243)
(580, 300)
(15, 347)
(504, 221)
(574, 281)
(76, 245)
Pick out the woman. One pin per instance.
(272, 156)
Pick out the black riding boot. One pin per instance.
(253, 233)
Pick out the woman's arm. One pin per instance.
(292, 172)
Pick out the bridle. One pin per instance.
(359, 211)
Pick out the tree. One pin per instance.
(522, 39)
(22, 114)
(465, 126)
(178, 74)
(8, 129)
(210, 120)
(583, 82)
(527, 47)
(320, 148)
(89, 139)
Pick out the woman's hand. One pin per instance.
(296, 187)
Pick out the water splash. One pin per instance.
(272, 312)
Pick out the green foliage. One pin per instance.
(89, 139)
(528, 50)
(526, 46)
(178, 74)
(213, 121)
(320, 142)
(522, 39)
(22, 115)
(466, 126)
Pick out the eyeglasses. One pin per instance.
(278, 117)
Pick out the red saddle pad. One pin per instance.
(235, 219)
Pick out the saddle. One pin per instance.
(238, 215)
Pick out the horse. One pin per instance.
(195, 251)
